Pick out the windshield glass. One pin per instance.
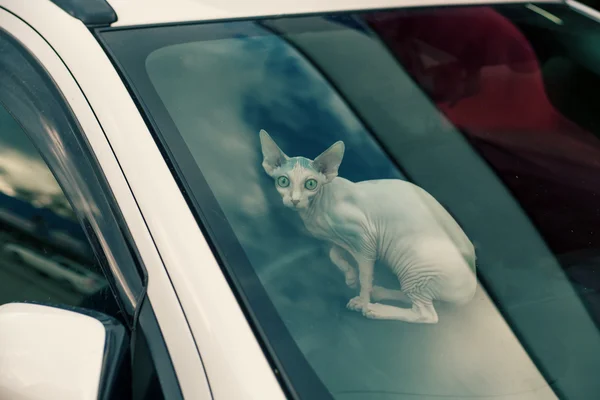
(492, 111)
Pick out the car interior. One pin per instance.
(527, 106)
(453, 99)
(485, 71)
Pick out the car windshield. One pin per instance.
(491, 110)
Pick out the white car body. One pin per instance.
(157, 11)
(209, 338)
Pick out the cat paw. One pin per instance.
(373, 311)
(351, 280)
(356, 304)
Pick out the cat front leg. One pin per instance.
(336, 254)
(365, 279)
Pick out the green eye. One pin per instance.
(310, 184)
(283, 181)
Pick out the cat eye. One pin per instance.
(310, 184)
(283, 181)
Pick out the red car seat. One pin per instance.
(483, 74)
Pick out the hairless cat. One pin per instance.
(390, 220)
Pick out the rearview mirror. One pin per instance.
(48, 352)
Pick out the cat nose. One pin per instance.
(295, 202)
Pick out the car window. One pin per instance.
(60, 220)
(45, 254)
(485, 108)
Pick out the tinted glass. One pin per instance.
(45, 254)
(490, 110)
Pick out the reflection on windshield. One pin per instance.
(382, 81)
(44, 253)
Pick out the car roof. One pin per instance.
(146, 12)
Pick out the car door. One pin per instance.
(57, 202)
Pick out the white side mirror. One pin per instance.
(53, 353)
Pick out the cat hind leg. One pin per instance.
(380, 293)
(421, 312)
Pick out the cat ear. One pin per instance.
(329, 161)
(273, 157)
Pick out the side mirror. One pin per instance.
(48, 352)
